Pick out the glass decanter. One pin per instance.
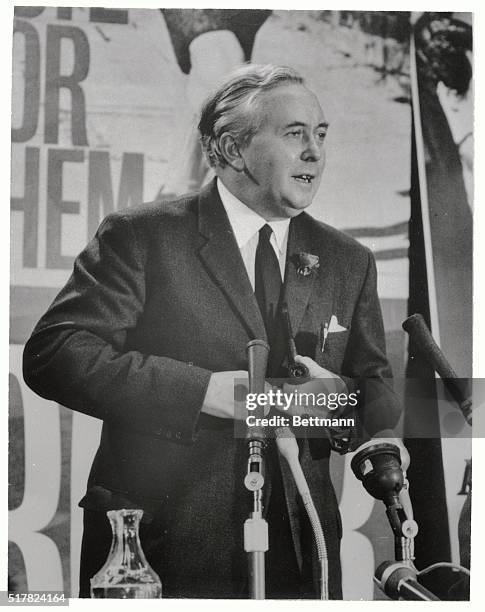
(126, 573)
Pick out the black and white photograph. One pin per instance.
(241, 304)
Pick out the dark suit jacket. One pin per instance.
(157, 301)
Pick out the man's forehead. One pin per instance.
(292, 103)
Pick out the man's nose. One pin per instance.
(313, 150)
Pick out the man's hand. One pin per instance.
(323, 381)
(333, 383)
(226, 395)
(219, 397)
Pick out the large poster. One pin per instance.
(104, 112)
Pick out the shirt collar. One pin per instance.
(245, 222)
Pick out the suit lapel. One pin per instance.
(222, 258)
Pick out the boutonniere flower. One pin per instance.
(307, 264)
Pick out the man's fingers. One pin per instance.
(314, 369)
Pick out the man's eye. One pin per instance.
(295, 133)
(321, 136)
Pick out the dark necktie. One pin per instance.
(267, 286)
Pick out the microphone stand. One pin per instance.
(460, 389)
(256, 527)
(378, 466)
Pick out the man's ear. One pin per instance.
(230, 151)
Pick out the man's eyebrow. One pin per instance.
(323, 124)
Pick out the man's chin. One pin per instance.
(298, 205)
(290, 207)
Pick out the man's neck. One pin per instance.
(240, 194)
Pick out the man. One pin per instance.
(150, 333)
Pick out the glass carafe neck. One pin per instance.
(126, 547)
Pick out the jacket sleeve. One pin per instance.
(366, 362)
(76, 354)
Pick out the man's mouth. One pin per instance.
(304, 178)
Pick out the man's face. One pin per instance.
(285, 159)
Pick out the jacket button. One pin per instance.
(178, 435)
(168, 435)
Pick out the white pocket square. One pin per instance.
(334, 325)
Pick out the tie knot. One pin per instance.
(265, 233)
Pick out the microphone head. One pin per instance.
(459, 388)
(378, 467)
(389, 575)
(257, 352)
(257, 342)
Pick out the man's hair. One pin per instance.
(232, 107)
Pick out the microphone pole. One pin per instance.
(255, 527)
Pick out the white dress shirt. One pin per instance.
(246, 224)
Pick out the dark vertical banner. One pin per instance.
(444, 72)
(441, 272)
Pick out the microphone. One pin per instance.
(378, 466)
(398, 581)
(295, 370)
(257, 352)
(418, 331)
(288, 448)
